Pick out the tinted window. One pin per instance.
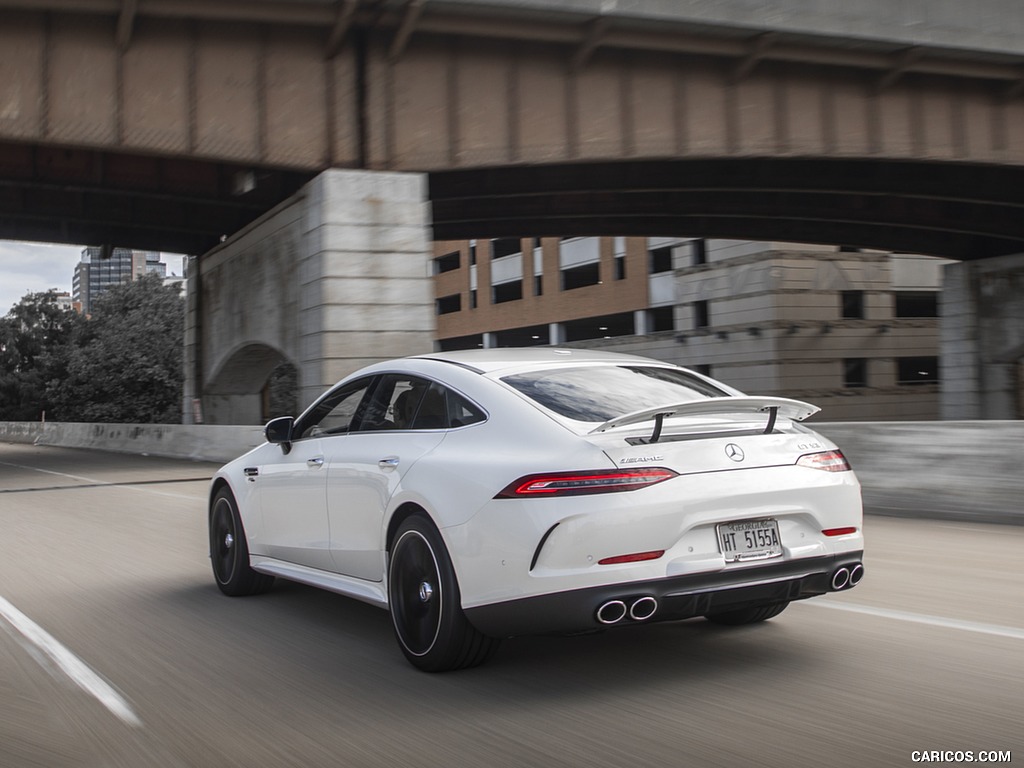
(338, 412)
(600, 393)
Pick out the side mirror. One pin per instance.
(279, 431)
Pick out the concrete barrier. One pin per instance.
(956, 470)
(197, 442)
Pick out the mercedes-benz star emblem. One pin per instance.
(734, 452)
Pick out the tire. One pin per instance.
(747, 615)
(229, 552)
(425, 603)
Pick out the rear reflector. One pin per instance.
(830, 461)
(839, 531)
(578, 483)
(636, 557)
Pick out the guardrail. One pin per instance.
(958, 470)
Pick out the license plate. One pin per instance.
(749, 540)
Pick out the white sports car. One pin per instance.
(485, 494)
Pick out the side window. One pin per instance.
(462, 412)
(339, 412)
(394, 403)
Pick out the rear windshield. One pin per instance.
(601, 393)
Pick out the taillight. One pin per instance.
(578, 483)
(839, 531)
(830, 461)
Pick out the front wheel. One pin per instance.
(747, 615)
(425, 604)
(229, 552)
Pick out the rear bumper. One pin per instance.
(678, 597)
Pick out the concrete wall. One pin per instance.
(941, 470)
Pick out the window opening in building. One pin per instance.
(581, 276)
(917, 370)
(620, 267)
(511, 291)
(472, 254)
(538, 285)
(701, 314)
(448, 304)
(855, 372)
(916, 304)
(472, 299)
(461, 342)
(700, 252)
(852, 305)
(530, 336)
(447, 263)
(660, 260)
(603, 327)
(505, 246)
(662, 319)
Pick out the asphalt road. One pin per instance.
(116, 649)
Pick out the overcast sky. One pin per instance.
(34, 267)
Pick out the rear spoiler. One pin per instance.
(797, 410)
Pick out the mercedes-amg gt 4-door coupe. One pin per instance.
(485, 494)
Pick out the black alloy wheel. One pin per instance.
(424, 601)
(229, 553)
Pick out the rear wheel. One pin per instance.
(229, 553)
(747, 615)
(425, 604)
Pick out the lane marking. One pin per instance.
(922, 618)
(93, 482)
(77, 670)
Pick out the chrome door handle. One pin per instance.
(315, 462)
(389, 462)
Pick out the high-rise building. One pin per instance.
(94, 274)
(855, 332)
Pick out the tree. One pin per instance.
(125, 363)
(34, 339)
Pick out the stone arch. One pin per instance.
(241, 389)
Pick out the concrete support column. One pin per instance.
(960, 397)
(489, 340)
(365, 292)
(641, 322)
(331, 280)
(556, 334)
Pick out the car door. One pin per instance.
(293, 487)
(406, 419)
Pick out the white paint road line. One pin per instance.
(94, 481)
(76, 669)
(920, 618)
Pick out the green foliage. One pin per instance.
(34, 338)
(125, 364)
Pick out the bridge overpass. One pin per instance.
(176, 125)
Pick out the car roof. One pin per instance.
(488, 361)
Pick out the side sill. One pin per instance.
(372, 592)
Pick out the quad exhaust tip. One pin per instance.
(639, 609)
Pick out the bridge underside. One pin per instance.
(167, 126)
(958, 210)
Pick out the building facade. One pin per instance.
(854, 332)
(95, 273)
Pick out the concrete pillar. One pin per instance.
(556, 334)
(641, 322)
(331, 280)
(960, 396)
(489, 340)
